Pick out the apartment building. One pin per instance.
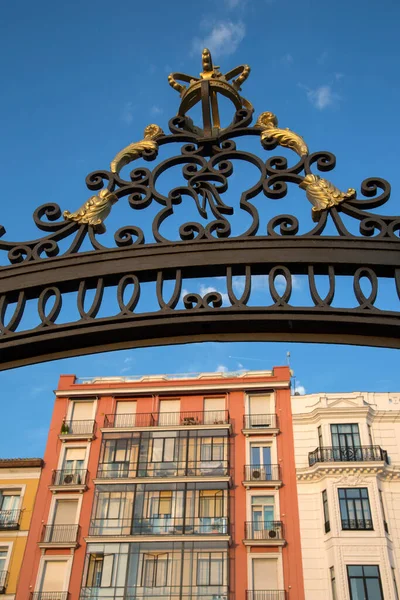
(173, 486)
(19, 480)
(347, 449)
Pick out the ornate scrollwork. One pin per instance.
(226, 239)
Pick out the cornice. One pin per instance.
(330, 412)
(376, 469)
(136, 390)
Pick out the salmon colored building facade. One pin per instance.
(173, 486)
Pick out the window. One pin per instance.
(155, 570)
(54, 576)
(117, 454)
(211, 503)
(3, 563)
(169, 412)
(74, 459)
(212, 449)
(214, 410)
(125, 414)
(320, 441)
(346, 442)
(326, 511)
(364, 582)
(333, 583)
(9, 508)
(210, 568)
(385, 525)
(262, 511)
(163, 450)
(100, 570)
(354, 508)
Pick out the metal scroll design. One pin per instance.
(206, 165)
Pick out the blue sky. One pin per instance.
(81, 80)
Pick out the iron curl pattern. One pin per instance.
(41, 272)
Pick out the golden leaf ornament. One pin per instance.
(323, 194)
(268, 122)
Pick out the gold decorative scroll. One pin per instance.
(268, 122)
(136, 150)
(94, 211)
(323, 194)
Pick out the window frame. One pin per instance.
(210, 558)
(364, 578)
(325, 508)
(351, 502)
(153, 559)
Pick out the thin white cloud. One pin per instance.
(287, 59)
(299, 390)
(260, 283)
(322, 97)
(127, 113)
(223, 38)
(221, 369)
(156, 110)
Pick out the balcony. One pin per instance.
(49, 596)
(59, 536)
(9, 519)
(214, 419)
(357, 524)
(160, 526)
(72, 480)
(264, 533)
(336, 454)
(77, 430)
(266, 595)
(3, 581)
(206, 592)
(256, 424)
(262, 476)
(163, 470)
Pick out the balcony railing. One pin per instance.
(209, 468)
(263, 421)
(59, 534)
(358, 524)
(355, 454)
(3, 581)
(261, 473)
(78, 427)
(204, 592)
(9, 519)
(49, 596)
(161, 526)
(185, 419)
(263, 530)
(67, 477)
(265, 595)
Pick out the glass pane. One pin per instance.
(157, 450)
(343, 510)
(108, 562)
(371, 571)
(374, 589)
(353, 493)
(169, 449)
(266, 454)
(355, 571)
(367, 512)
(255, 455)
(357, 590)
(216, 572)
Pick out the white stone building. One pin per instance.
(347, 449)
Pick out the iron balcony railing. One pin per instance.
(9, 519)
(262, 473)
(199, 592)
(354, 454)
(163, 525)
(263, 421)
(78, 427)
(3, 581)
(69, 477)
(60, 534)
(205, 468)
(156, 419)
(266, 595)
(358, 524)
(49, 596)
(263, 530)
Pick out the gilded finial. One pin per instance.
(215, 82)
(323, 194)
(137, 149)
(94, 211)
(268, 122)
